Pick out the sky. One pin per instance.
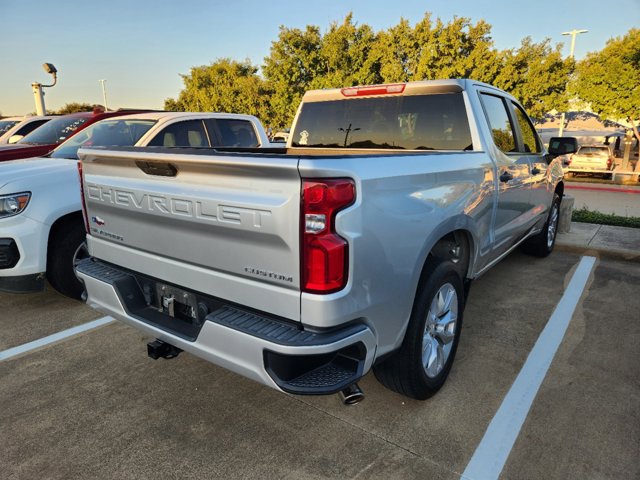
(140, 47)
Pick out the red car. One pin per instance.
(47, 137)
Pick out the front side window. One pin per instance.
(499, 123)
(54, 131)
(529, 137)
(107, 133)
(408, 122)
(189, 133)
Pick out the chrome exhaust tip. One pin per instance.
(351, 395)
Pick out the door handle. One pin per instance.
(506, 176)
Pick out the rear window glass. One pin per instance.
(593, 151)
(54, 131)
(411, 122)
(107, 133)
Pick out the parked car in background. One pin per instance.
(44, 139)
(280, 137)
(592, 159)
(42, 232)
(13, 129)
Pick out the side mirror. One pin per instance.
(15, 138)
(562, 146)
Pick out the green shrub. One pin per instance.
(584, 215)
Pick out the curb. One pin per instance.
(612, 253)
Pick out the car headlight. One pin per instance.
(13, 204)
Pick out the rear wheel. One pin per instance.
(421, 365)
(66, 248)
(542, 244)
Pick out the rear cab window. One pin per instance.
(407, 122)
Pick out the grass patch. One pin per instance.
(584, 215)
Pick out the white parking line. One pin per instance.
(494, 448)
(12, 352)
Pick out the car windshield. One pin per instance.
(417, 122)
(5, 125)
(107, 133)
(55, 131)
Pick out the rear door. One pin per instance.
(224, 225)
(512, 217)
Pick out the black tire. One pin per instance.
(404, 372)
(541, 245)
(66, 247)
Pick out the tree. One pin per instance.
(344, 56)
(536, 75)
(292, 65)
(74, 107)
(223, 86)
(609, 80)
(458, 49)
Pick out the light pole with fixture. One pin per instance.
(38, 94)
(104, 94)
(574, 33)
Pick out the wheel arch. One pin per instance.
(60, 224)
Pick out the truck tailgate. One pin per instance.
(225, 225)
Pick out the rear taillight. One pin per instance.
(324, 253)
(84, 205)
(609, 161)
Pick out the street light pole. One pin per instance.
(104, 94)
(38, 93)
(574, 33)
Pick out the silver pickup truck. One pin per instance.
(351, 249)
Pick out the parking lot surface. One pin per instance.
(95, 406)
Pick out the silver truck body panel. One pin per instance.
(166, 226)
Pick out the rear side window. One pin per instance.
(232, 133)
(499, 122)
(189, 133)
(410, 122)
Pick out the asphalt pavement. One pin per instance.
(621, 200)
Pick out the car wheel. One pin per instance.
(421, 365)
(542, 244)
(66, 249)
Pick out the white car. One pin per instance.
(13, 129)
(42, 232)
